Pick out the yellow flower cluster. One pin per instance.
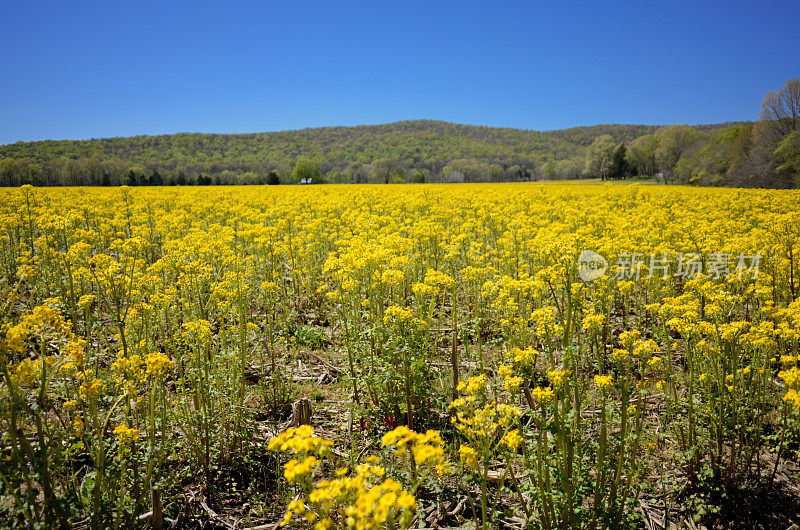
(593, 322)
(380, 503)
(426, 449)
(128, 369)
(438, 279)
(629, 338)
(395, 314)
(85, 302)
(654, 361)
(484, 422)
(524, 358)
(197, 330)
(545, 320)
(75, 350)
(473, 386)
(297, 440)
(28, 372)
(603, 381)
(296, 470)
(157, 364)
(557, 377)
(512, 439)
(423, 289)
(44, 323)
(791, 379)
(644, 348)
(511, 382)
(542, 395)
(392, 277)
(620, 355)
(523, 364)
(364, 500)
(126, 436)
(468, 456)
(90, 391)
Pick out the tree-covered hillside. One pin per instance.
(411, 148)
(765, 153)
(421, 150)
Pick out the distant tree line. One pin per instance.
(765, 153)
(411, 151)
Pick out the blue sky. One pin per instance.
(99, 69)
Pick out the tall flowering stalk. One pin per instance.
(490, 429)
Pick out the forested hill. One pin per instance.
(423, 139)
(420, 150)
(421, 144)
(765, 153)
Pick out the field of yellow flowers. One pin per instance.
(508, 355)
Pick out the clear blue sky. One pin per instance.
(74, 69)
